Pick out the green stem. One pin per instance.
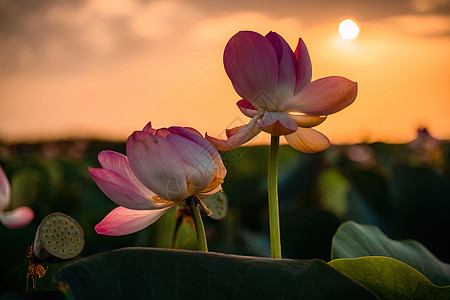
(176, 231)
(274, 219)
(198, 223)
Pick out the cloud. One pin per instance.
(149, 20)
(428, 5)
(71, 35)
(162, 19)
(219, 30)
(422, 25)
(63, 37)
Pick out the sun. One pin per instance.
(348, 29)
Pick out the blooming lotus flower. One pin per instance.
(15, 218)
(163, 168)
(275, 84)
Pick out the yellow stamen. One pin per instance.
(216, 181)
(189, 188)
(35, 269)
(159, 200)
(209, 212)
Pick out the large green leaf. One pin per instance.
(353, 240)
(389, 278)
(148, 273)
(34, 295)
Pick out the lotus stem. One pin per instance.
(274, 219)
(192, 203)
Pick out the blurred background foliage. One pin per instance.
(403, 189)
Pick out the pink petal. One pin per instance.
(200, 167)
(232, 131)
(304, 68)
(307, 121)
(287, 64)
(5, 190)
(148, 128)
(162, 132)
(245, 134)
(17, 218)
(206, 194)
(251, 64)
(122, 221)
(308, 140)
(277, 123)
(119, 163)
(324, 96)
(247, 108)
(217, 178)
(195, 136)
(123, 192)
(115, 161)
(157, 165)
(188, 132)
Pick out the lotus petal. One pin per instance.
(5, 191)
(17, 218)
(122, 221)
(308, 140)
(323, 96)
(242, 136)
(251, 64)
(304, 67)
(157, 165)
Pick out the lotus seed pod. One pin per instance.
(58, 238)
(217, 205)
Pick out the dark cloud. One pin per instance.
(31, 36)
(311, 11)
(13, 13)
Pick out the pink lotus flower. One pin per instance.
(15, 218)
(275, 84)
(163, 168)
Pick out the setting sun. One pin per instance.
(348, 29)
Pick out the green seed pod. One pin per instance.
(216, 205)
(58, 238)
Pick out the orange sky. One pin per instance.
(106, 68)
